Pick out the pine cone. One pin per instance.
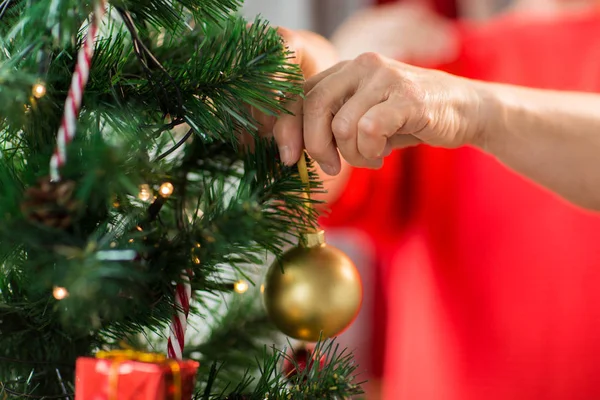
(50, 203)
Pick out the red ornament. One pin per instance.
(296, 363)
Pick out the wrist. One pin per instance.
(489, 116)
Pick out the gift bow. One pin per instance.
(119, 356)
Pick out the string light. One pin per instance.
(145, 193)
(60, 293)
(196, 260)
(240, 286)
(262, 288)
(166, 189)
(39, 90)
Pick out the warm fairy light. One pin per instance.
(196, 260)
(139, 228)
(145, 193)
(166, 189)
(262, 288)
(59, 293)
(240, 286)
(39, 90)
(130, 240)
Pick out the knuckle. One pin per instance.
(369, 126)
(342, 127)
(370, 59)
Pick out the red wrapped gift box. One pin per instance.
(130, 375)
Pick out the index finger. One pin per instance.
(289, 129)
(327, 93)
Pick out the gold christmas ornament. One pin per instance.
(319, 291)
(313, 291)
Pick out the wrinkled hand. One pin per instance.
(367, 107)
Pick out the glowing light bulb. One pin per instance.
(196, 260)
(60, 293)
(262, 288)
(240, 286)
(145, 193)
(166, 189)
(38, 90)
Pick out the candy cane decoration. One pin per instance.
(183, 296)
(66, 132)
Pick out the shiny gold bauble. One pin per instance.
(313, 291)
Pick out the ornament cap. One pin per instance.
(312, 239)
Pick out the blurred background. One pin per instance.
(324, 16)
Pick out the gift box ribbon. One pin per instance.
(119, 356)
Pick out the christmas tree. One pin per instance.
(125, 194)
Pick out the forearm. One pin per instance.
(551, 137)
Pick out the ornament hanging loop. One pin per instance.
(308, 238)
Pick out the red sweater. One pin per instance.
(491, 283)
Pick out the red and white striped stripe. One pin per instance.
(183, 297)
(66, 132)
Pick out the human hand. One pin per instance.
(367, 107)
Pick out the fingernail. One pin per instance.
(286, 155)
(328, 169)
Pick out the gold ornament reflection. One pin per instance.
(319, 292)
